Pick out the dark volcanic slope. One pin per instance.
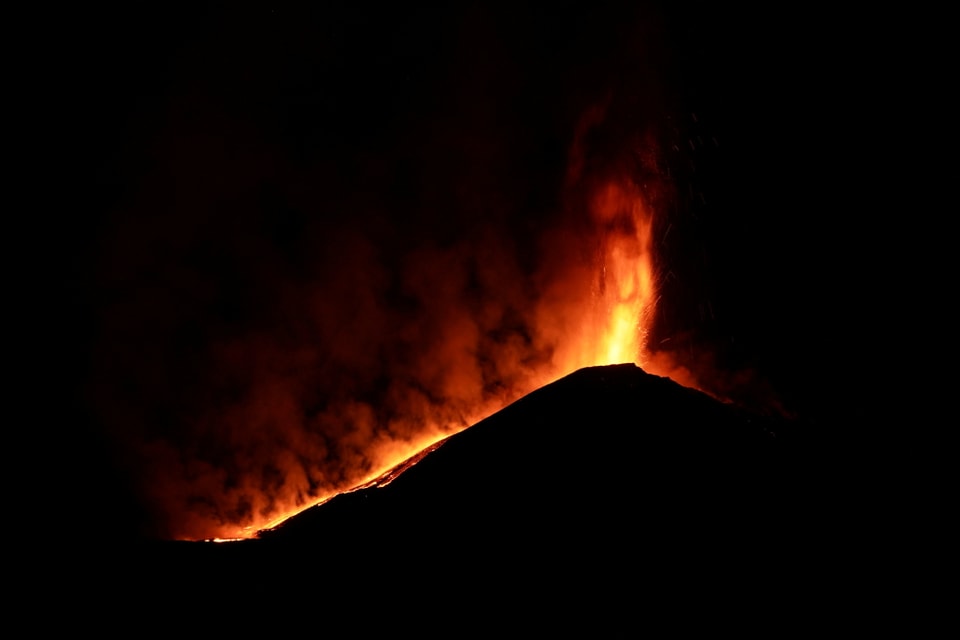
(602, 476)
(604, 454)
(604, 495)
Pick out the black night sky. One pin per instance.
(232, 171)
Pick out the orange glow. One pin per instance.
(624, 301)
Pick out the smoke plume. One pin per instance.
(303, 285)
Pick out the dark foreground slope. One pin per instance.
(598, 497)
(597, 460)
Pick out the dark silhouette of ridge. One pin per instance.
(603, 449)
(593, 499)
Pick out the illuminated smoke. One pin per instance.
(274, 333)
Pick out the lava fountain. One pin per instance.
(610, 323)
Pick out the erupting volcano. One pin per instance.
(551, 308)
(311, 283)
(324, 243)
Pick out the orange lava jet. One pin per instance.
(613, 324)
